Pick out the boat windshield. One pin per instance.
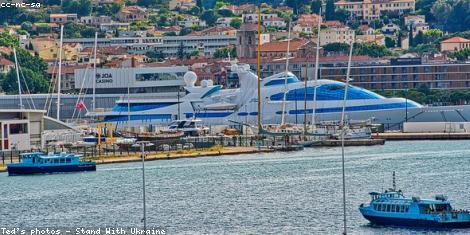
(434, 208)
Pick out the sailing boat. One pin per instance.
(284, 129)
(343, 128)
(314, 130)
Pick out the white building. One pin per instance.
(20, 129)
(168, 45)
(336, 35)
(415, 19)
(373, 9)
(253, 18)
(94, 20)
(224, 21)
(138, 79)
(390, 28)
(276, 22)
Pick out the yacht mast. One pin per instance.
(18, 78)
(259, 69)
(283, 116)
(94, 73)
(60, 71)
(317, 56)
(342, 126)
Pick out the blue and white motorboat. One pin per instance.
(393, 208)
(214, 105)
(38, 162)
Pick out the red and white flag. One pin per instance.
(80, 105)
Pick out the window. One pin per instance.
(68, 160)
(155, 77)
(21, 128)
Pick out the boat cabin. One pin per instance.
(20, 129)
(394, 201)
(38, 158)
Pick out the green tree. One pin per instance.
(225, 12)
(342, 15)
(330, 10)
(199, 4)
(185, 31)
(81, 7)
(389, 42)
(27, 26)
(315, 6)
(8, 40)
(180, 53)
(461, 55)
(195, 11)
(424, 7)
(336, 47)
(155, 55)
(33, 69)
(236, 22)
(225, 52)
(36, 82)
(295, 4)
(433, 35)
(419, 39)
(209, 17)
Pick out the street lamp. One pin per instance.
(142, 145)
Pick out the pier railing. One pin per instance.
(158, 147)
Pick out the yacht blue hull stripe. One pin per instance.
(208, 115)
(124, 118)
(414, 222)
(373, 107)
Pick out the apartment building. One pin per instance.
(373, 9)
(336, 35)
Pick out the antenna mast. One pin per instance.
(94, 73)
(315, 85)
(18, 78)
(342, 134)
(259, 69)
(283, 116)
(60, 71)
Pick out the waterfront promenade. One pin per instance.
(166, 155)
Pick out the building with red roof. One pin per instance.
(455, 44)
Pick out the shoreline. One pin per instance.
(179, 154)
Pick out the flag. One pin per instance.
(80, 105)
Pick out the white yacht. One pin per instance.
(216, 106)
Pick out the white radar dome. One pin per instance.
(190, 78)
(204, 83)
(210, 83)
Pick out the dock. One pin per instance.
(352, 142)
(421, 136)
(168, 155)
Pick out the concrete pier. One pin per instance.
(421, 136)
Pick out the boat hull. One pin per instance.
(30, 170)
(379, 220)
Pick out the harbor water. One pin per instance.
(294, 193)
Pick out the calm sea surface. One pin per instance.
(295, 193)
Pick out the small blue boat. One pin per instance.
(393, 208)
(38, 162)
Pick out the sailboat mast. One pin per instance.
(18, 78)
(60, 71)
(129, 106)
(317, 57)
(94, 73)
(342, 135)
(259, 69)
(283, 116)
